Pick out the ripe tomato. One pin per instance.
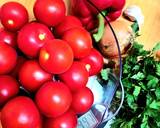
(8, 37)
(56, 56)
(49, 12)
(67, 23)
(82, 100)
(32, 76)
(20, 62)
(21, 112)
(67, 120)
(13, 15)
(76, 77)
(9, 87)
(94, 62)
(0, 120)
(53, 99)
(32, 37)
(8, 58)
(79, 40)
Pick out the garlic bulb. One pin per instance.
(134, 13)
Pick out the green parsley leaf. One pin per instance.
(155, 105)
(104, 73)
(157, 93)
(135, 27)
(136, 91)
(158, 69)
(139, 76)
(141, 80)
(153, 81)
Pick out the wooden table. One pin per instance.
(151, 27)
(150, 8)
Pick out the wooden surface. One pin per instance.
(150, 8)
(151, 27)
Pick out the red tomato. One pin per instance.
(67, 120)
(32, 37)
(56, 56)
(21, 112)
(8, 58)
(68, 23)
(0, 120)
(82, 100)
(49, 12)
(53, 99)
(9, 87)
(94, 62)
(13, 15)
(76, 77)
(20, 62)
(8, 37)
(79, 40)
(32, 76)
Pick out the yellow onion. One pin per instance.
(124, 34)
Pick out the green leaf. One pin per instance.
(116, 123)
(126, 68)
(139, 76)
(157, 47)
(136, 68)
(149, 100)
(155, 105)
(145, 125)
(153, 81)
(158, 69)
(135, 27)
(104, 73)
(131, 102)
(136, 91)
(144, 122)
(157, 93)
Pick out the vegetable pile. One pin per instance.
(141, 79)
(44, 66)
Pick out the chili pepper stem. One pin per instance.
(97, 36)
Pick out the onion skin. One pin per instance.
(124, 34)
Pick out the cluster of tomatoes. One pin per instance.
(51, 59)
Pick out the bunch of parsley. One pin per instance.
(141, 80)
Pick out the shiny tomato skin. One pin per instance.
(67, 23)
(13, 15)
(9, 88)
(49, 12)
(56, 56)
(94, 62)
(8, 37)
(66, 120)
(32, 76)
(76, 76)
(32, 37)
(21, 112)
(53, 99)
(82, 100)
(80, 41)
(8, 58)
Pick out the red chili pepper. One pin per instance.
(87, 13)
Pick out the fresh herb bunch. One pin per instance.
(141, 80)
